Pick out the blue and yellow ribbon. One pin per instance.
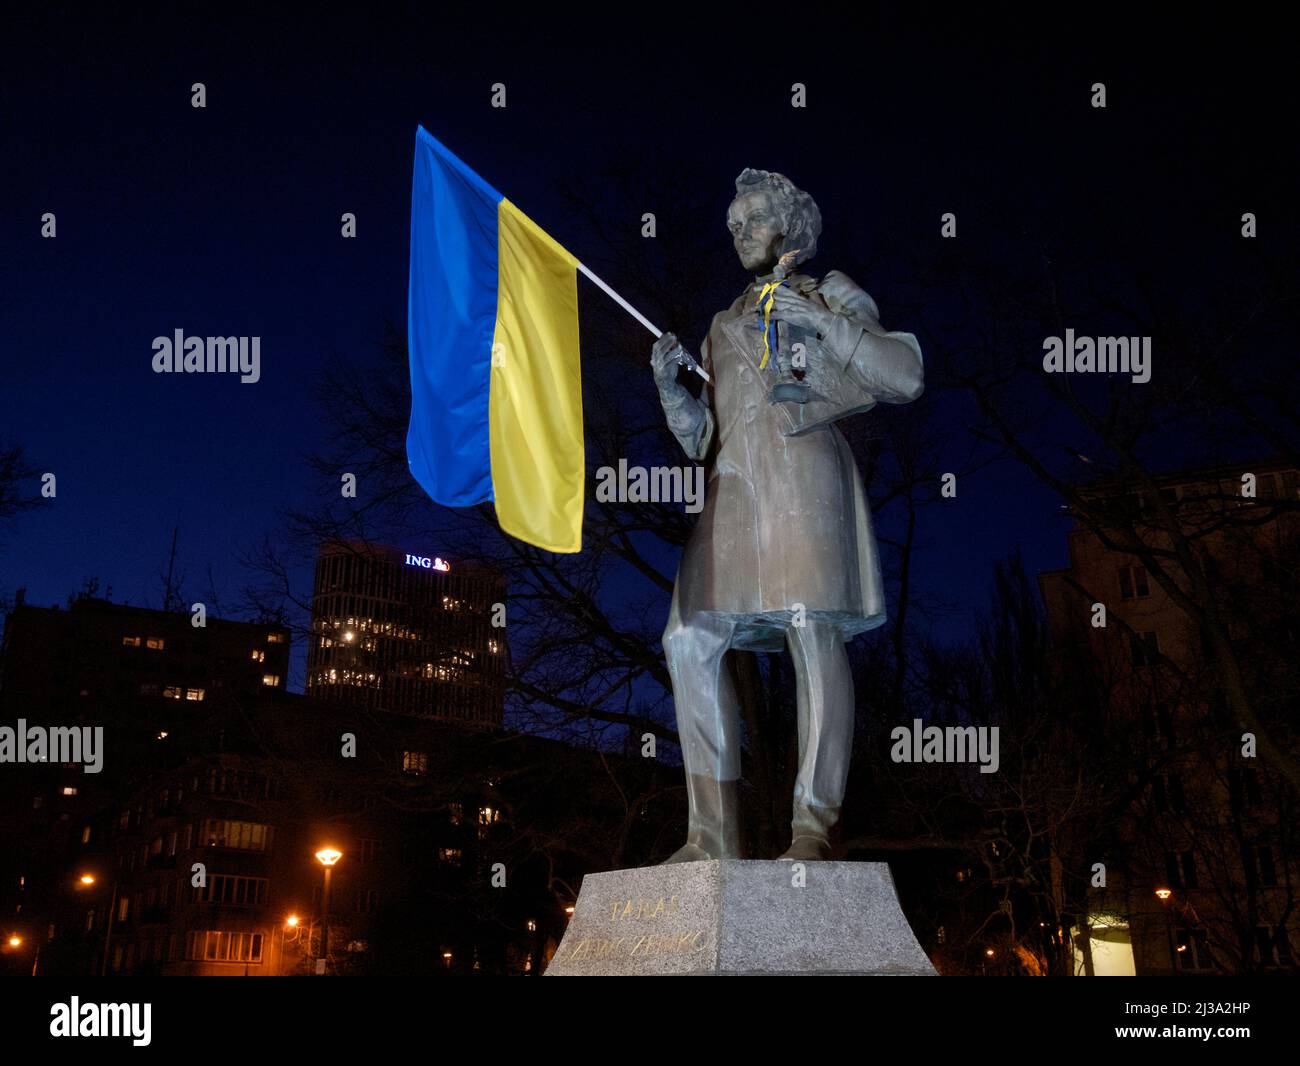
(769, 327)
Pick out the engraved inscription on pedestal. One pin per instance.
(655, 922)
(739, 917)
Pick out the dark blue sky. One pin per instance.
(225, 220)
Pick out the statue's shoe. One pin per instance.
(807, 849)
(688, 853)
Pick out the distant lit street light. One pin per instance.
(290, 922)
(14, 942)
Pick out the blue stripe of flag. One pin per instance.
(451, 320)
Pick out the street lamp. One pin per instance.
(290, 922)
(1164, 895)
(15, 940)
(89, 879)
(327, 857)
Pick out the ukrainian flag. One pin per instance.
(492, 329)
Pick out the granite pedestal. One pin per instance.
(737, 917)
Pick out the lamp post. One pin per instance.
(327, 857)
(296, 924)
(1164, 894)
(290, 922)
(90, 879)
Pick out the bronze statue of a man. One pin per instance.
(783, 552)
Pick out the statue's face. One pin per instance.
(757, 230)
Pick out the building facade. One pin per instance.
(212, 869)
(154, 685)
(1202, 880)
(407, 633)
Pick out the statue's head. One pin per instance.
(769, 217)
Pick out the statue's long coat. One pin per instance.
(786, 522)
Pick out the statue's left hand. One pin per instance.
(798, 310)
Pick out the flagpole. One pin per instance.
(638, 316)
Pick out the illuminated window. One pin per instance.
(123, 908)
(85, 835)
(215, 946)
(245, 836)
(488, 815)
(532, 925)
(415, 762)
(130, 642)
(68, 790)
(259, 656)
(173, 692)
(194, 693)
(275, 638)
(492, 646)
(156, 643)
(270, 680)
(451, 856)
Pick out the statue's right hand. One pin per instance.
(663, 361)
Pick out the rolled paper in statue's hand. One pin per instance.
(785, 264)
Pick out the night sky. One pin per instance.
(225, 220)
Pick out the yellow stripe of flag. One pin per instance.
(535, 398)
